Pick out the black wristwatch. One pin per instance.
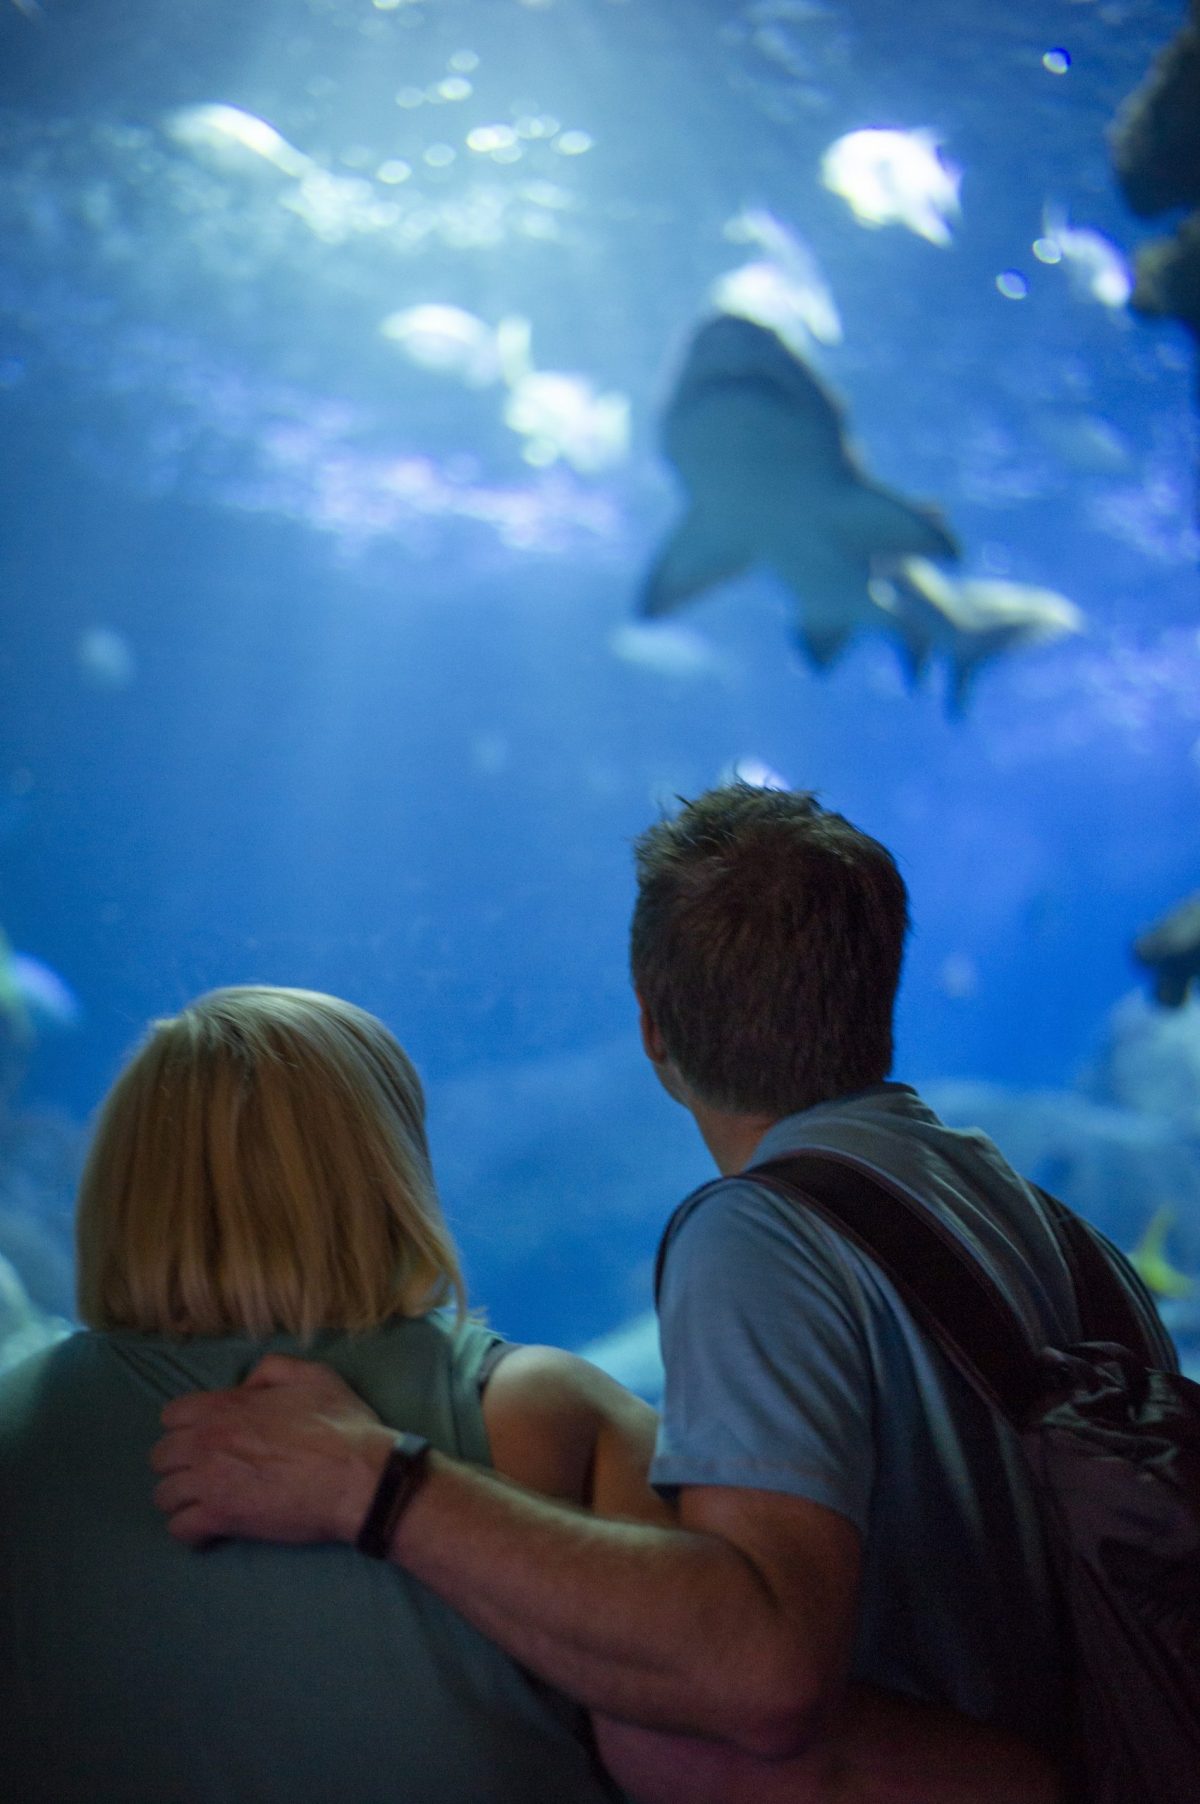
(401, 1478)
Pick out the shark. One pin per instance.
(1170, 950)
(970, 620)
(760, 446)
(895, 177)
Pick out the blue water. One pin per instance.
(366, 729)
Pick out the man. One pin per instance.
(847, 1508)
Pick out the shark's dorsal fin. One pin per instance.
(693, 559)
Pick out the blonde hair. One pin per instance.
(261, 1165)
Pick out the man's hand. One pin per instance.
(290, 1455)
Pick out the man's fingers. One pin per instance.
(269, 1459)
(174, 1452)
(187, 1520)
(192, 1516)
(196, 1406)
(174, 1493)
(193, 1526)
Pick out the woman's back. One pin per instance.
(140, 1672)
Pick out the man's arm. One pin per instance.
(736, 1625)
(559, 1425)
(877, 1748)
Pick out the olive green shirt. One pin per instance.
(134, 1670)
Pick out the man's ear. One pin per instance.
(652, 1040)
(665, 1069)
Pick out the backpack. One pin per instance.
(1112, 1442)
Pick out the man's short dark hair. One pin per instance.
(766, 946)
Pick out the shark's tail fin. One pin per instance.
(907, 617)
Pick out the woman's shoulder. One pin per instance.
(560, 1425)
(49, 1369)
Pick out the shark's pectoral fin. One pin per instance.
(876, 523)
(694, 558)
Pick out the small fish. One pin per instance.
(14, 1014)
(1097, 268)
(560, 415)
(32, 995)
(755, 772)
(784, 290)
(958, 976)
(761, 449)
(1149, 1258)
(1171, 950)
(665, 649)
(233, 138)
(450, 341)
(50, 1001)
(1086, 442)
(105, 658)
(895, 177)
(969, 620)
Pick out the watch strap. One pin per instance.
(403, 1473)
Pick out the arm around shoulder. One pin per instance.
(759, 1606)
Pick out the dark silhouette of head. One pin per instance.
(766, 947)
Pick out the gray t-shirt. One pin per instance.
(792, 1365)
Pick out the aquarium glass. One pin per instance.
(342, 443)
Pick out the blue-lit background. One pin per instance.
(317, 616)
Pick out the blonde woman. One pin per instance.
(259, 1185)
(259, 1180)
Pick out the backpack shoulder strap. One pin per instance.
(1106, 1309)
(947, 1290)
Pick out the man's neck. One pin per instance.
(731, 1139)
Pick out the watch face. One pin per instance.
(410, 1447)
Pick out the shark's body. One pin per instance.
(761, 449)
(1171, 950)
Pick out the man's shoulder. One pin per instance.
(876, 1127)
(718, 1207)
(738, 1236)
